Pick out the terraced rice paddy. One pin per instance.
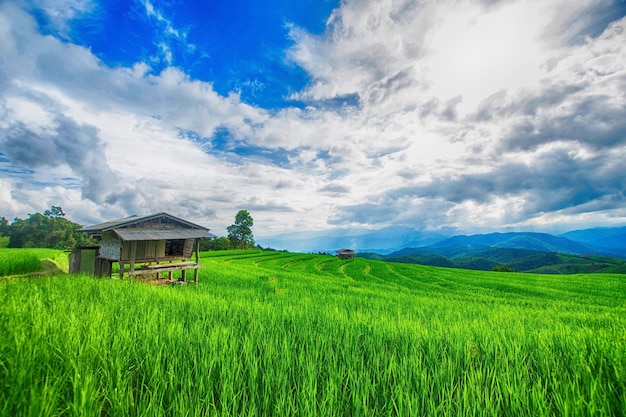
(272, 333)
(24, 261)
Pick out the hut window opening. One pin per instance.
(175, 247)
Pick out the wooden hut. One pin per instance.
(345, 253)
(143, 245)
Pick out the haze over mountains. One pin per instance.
(381, 241)
(600, 250)
(601, 241)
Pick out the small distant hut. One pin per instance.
(345, 253)
(142, 245)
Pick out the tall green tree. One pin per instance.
(240, 233)
(55, 212)
(4, 226)
(48, 230)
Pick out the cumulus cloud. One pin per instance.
(556, 180)
(114, 128)
(536, 145)
(429, 114)
(75, 146)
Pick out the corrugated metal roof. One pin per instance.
(129, 221)
(101, 226)
(156, 234)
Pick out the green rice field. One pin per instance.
(20, 261)
(282, 334)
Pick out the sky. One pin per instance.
(462, 115)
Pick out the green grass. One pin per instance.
(267, 333)
(20, 261)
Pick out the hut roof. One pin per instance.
(345, 251)
(139, 228)
(151, 234)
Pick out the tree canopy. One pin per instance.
(218, 243)
(48, 230)
(240, 233)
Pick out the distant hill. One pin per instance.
(531, 252)
(543, 242)
(521, 260)
(611, 240)
(590, 250)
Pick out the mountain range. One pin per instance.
(589, 250)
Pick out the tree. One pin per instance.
(48, 230)
(240, 233)
(55, 212)
(502, 268)
(218, 243)
(4, 226)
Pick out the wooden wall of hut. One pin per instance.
(146, 249)
(85, 260)
(110, 246)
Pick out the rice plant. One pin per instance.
(265, 333)
(20, 261)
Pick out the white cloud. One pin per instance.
(427, 76)
(133, 117)
(476, 53)
(166, 34)
(451, 95)
(167, 24)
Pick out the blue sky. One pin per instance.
(467, 115)
(235, 45)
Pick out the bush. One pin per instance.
(502, 268)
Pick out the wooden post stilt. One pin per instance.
(195, 271)
(133, 253)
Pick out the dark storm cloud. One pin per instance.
(190, 207)
(549, 98)
(398, 209)
(283, 185)
(66, 143)
(594, 121)
(139, 198)
(337, 104)
(335, 189)
(387, 88)
(499, 106)
(554, 181)
(23, 147)
(441, 110)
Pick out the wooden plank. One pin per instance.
(173, 264)
(188, 247)
(75, 261)
(195, 272)
(153, 271)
